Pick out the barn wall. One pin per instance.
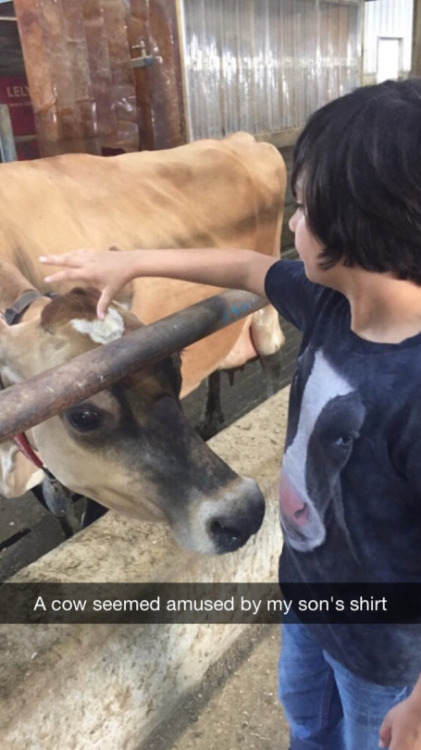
(14, 91)
(108, 686)
(265, 66)
(387, 22)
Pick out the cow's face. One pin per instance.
(129, 447)
(330, 421)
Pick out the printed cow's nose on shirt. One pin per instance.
(292, 506)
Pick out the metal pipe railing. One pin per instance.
(26, 404)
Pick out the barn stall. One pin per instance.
(106, 76)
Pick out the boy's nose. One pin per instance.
(292, 221)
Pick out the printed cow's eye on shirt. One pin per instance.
(344, 441)
(337, 427)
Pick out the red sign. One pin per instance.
(15, 93)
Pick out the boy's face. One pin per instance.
(307, 245)
(309, 248)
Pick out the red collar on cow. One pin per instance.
(22, 443)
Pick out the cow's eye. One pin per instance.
(84, 417)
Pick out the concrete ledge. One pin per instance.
(101, 687)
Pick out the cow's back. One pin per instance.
(210, 193)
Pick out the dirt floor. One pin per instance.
(236, 706)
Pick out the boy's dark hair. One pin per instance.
(357, 165)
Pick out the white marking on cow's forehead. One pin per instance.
(101, 331)
(323, 384)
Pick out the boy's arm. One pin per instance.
(401, 727)
(110, 271)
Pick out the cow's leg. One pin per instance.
(212, 416)
(92, 512)
(38, 493)
(272, 368)
(61, 503)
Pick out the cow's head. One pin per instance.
(330, 420)
(129, 446)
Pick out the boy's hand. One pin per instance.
(106, 271)
(401, 727)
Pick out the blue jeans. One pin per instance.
(327, 706)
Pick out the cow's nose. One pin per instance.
(231, 530)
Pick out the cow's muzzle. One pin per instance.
(224, 523)
(231, 530)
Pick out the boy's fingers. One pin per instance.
(61, 276)
(103, 303)
(58, 260)
(72, 259)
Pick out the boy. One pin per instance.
(350, 495)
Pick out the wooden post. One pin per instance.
(7, 143)
(154, 25)
(416, 40)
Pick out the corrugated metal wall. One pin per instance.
(265, 65)
(387, 20)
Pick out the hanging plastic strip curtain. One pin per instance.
(264, 66)
(77, 61)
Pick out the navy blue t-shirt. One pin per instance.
(350, 497)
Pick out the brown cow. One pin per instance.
(129, 447)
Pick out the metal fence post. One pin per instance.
(7, 142)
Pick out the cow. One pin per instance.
(317, 451)
(129, 447)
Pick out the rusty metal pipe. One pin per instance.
(26, 404)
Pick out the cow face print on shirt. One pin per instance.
(331, 415)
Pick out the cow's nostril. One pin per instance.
(227, 537)
(237, 518)
(230, 534)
